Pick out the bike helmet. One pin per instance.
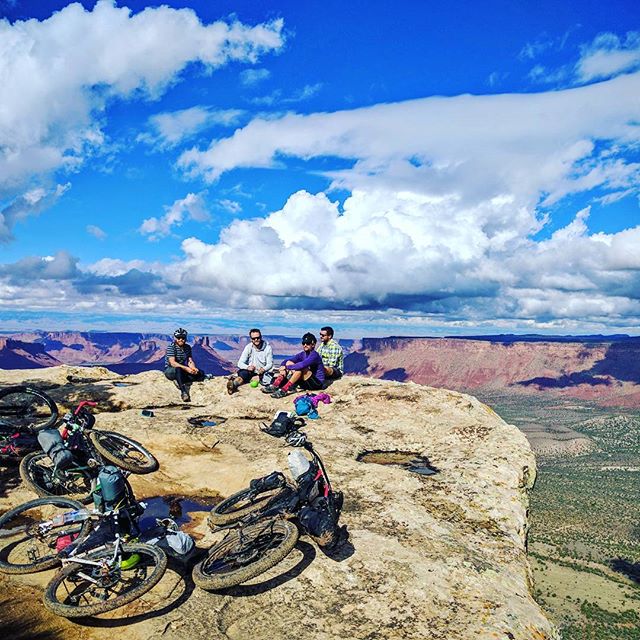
(296, 438)
(180, 333)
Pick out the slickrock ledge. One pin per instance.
(432, 557)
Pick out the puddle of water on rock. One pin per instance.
(177, 507)
(122, 384)
(409, 460)
(206, 421)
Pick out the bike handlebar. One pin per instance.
(82, 404)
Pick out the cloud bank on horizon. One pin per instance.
(191, 163)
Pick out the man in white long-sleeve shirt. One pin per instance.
(256, 358)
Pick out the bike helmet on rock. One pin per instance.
(180, 333)
(296, 438)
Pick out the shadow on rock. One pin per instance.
(629, 569)
(9, 477)
(20, 623)
(308, 554)
(171, 592)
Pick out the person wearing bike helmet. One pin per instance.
(305, 370)
(179, 364)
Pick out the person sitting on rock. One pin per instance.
(305, 370)
(179, 364)
(255, 360)
(331, 353)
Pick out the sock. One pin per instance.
(287, 386)
(278, 381)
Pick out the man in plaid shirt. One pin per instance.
(331, 353)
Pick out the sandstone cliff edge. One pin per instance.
(432, 557)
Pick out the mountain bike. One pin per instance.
(261, 532)
(100, 571)
(26, 409)
(104, 578)
(91, 449)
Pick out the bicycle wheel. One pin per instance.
(242, 503)
(123, 452)
(26, 409)
(245, 553)
(39, 474)
(26, 547)
(79, 590)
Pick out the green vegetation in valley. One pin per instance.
(585, 516)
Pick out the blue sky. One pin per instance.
(426, 169)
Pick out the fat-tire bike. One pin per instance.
(261, 532)
(24, 408)
(91, 449)
(24, 411)
(98, 574)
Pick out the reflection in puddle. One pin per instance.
(206, 421)
(410, 460)
(179, 508)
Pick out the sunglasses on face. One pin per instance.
(257, 339)
(308, 343)
(180, 339)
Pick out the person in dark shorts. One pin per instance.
(255, 360)
(179, 364)
(305, 370)
(331, 353)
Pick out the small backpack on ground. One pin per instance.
(53, 445)
(305, 407)
(282, 424)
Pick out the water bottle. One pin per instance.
(69, 517)
(298, 463)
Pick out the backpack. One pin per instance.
(304, 407)
(282, 424)
(320, 518)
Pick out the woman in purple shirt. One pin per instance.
(305, 369)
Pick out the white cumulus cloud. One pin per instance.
(609, 55)
(191, 207)
(57, 75)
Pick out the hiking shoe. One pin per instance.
(185, 396)
(231, 387)
(269, 389)
(280, 393)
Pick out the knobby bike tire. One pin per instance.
(241, 504)
(15, 414)
(212, 573)
(68, 610)
(117, 449)
(36, 471)
(13, 523)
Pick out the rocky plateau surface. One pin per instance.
(439, 557)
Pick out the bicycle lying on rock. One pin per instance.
(101, 571)
(260, 520)
(68, 465)
(24, 411)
